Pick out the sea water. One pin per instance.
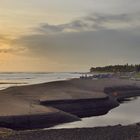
(18, 79)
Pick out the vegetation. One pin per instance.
(117, 68)
(137, 75)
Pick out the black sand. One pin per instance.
(49, 104)
(131, 132)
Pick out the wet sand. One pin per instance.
(118, 132)
(48, 104)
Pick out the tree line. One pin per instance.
(117, 68)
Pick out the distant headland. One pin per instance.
(117, 68)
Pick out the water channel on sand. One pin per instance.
(127, 113)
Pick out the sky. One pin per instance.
(68, 35)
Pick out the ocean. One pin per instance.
(18, 78)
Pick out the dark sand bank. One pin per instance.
(49, 104)
(118, 132)
(84, 107)
(34, 121)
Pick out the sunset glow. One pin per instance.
(40, 35)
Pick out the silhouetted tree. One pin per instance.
(117, 68)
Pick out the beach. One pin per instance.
(27, 111)
(49, 104)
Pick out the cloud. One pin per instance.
(110, 34)
(4, 38)
(12, 50)
(6, 45)
(97, 47)
(93, 39)
(94, 22)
